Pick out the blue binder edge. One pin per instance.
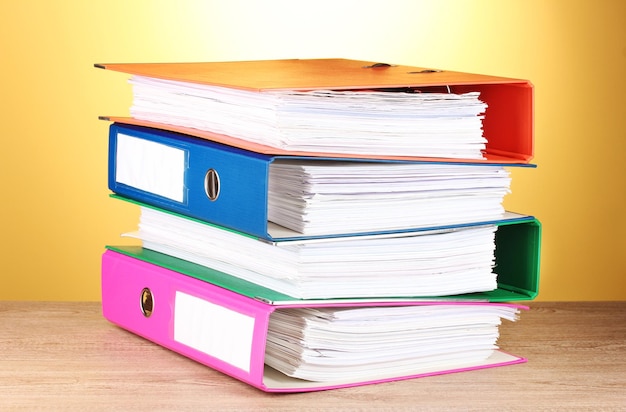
(242, 203)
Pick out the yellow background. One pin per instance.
(56, 213)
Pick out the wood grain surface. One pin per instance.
(66, 356)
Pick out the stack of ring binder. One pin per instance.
(321, 223)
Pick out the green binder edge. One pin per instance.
(517, 260)
(142, 204)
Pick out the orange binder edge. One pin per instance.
(509, 127)
(304, 74)
(490, 158)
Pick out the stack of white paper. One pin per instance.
(326, 344)
(429, 263)
(325, 197)
(369, 122)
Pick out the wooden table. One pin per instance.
(60, 356)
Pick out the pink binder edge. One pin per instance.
(124, 277)
(310, 387)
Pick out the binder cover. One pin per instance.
(517, 263)
(218, 327)
(509, 125)
(205, 180)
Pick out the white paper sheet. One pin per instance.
(365, 121)
(322, 344)
(415, 264)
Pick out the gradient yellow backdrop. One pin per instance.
(56, 213)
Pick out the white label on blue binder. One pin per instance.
(213, 329)
(152, 167)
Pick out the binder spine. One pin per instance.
(518, 249)
(209, 324)
(509, 121)
(194, 177)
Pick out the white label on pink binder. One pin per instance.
(213, 329)
(152, 167)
